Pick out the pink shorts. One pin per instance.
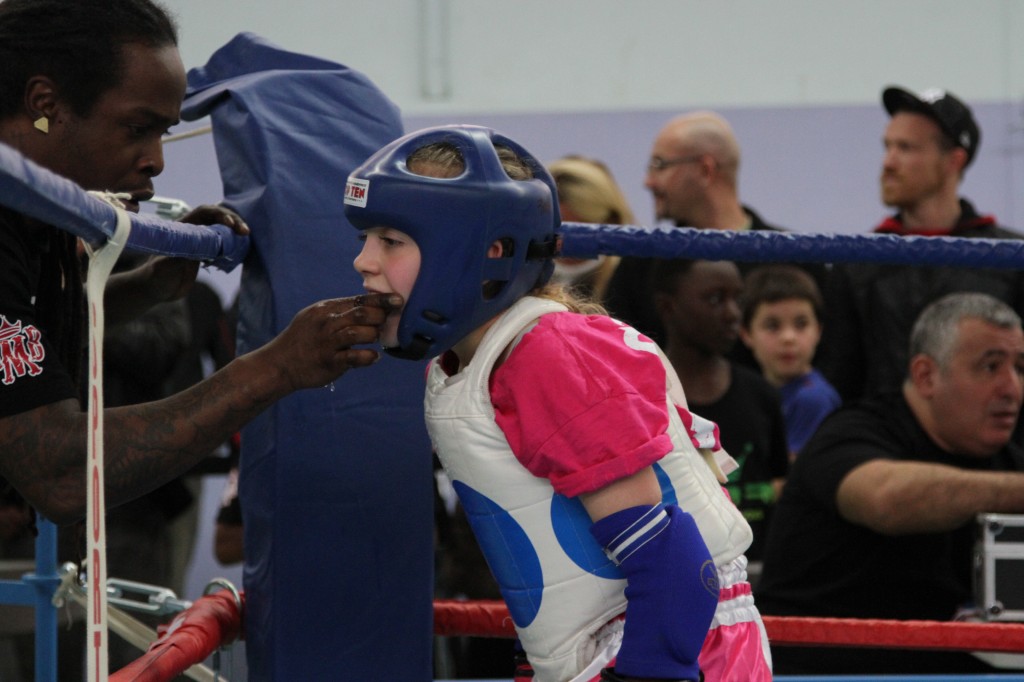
(736, 647)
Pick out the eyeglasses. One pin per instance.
(657, 163)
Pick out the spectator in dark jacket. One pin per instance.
(870, 308)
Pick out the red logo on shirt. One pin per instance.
(21, 351)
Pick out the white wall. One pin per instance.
(551, 55)
(799, 79)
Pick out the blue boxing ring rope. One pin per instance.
(587, 240)
(36, 192)
(32, 190)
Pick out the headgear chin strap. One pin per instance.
(454, 221)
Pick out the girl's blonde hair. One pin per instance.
(568, 297)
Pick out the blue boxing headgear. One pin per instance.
(454, 221)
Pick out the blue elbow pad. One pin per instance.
(671, 589)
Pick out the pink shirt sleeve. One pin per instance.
(580, 405)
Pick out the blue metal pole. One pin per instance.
(45, 581)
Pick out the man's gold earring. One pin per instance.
(42, 124)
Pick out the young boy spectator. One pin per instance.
(781, 326)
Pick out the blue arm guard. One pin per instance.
(671, 589)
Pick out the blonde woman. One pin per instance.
(587, 193)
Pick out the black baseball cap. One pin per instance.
(952, 115)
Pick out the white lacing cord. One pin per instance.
(101, 263)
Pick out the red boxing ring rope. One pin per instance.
(212, 621)
(896, 634)
(491, 619)
(215, 620)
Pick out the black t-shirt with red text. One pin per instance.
(31, 374)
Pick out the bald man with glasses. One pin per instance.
(692, 174)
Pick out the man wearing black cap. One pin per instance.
(930, 141)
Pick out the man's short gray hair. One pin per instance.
(936, 329)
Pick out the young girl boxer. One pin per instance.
(591, 488)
